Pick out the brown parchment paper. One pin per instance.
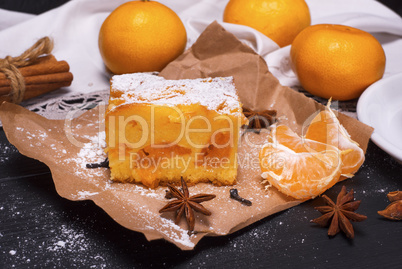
(65, 146)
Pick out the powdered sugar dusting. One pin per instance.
(181, 236)
(217, 94)
(174, 232)
(143, 191)
(68, 239)
(91, 152)
(81, 195)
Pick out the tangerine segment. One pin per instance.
(300, 168)
(285, 136)
(326, 128)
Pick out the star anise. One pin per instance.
(339, 215)
(259, 120)
(185, 204)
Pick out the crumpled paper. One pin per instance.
(66, 146)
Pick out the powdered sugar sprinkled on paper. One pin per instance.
(173, 231)
(81, 195)
(91, 152)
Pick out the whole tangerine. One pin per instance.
(280, 20)
(336, 61)
(141, 36)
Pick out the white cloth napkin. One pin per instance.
(75, 27)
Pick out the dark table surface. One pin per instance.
(39, 229)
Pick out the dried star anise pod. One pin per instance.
(185, 204)
(394, 210)
(394, 196)
(339, 215)
(259, 120)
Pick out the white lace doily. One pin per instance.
(57, 108)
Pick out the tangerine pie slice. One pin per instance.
(158, 130)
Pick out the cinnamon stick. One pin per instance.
(44, 65)
(37, 89)
(38, 72)
(5, 87)
(41, 79)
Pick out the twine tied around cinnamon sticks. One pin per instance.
(34, 72)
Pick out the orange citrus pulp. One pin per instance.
(299, 167)
(326, 128)
(304, 167)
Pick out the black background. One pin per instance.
(39, 6)
(35, 221)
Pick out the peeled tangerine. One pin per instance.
(301, 168)
(326, 128)
(305, 167)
